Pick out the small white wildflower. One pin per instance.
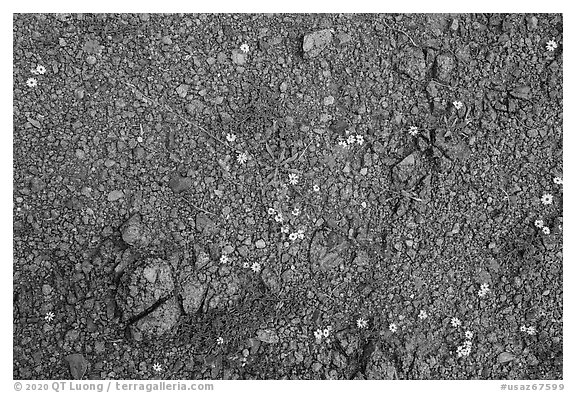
(558, 180)
(546, 199)
(484, 289)
(271, 211)
(230, 137)
(256, 267)
(284, 229)
(293, 236)
(413, 130)
(457, 104)
(318, 334)
(360, 139)
(551, 45)
(40, 69)
(245, 265)
(296, 211)
(538, 223)
(351, 139)
(523, 328)
(278, 217)
(455, 322)
(546, 230)
(157, 367)
(49, 316)
(423, 314)
(316, 187)
(392, 327)
(362, 323)
(326, 332)
(224, 258)
(32, 82)
(531, 330)
(342, 143)
(468, 344)
(293, 178)
(219, 341)
(242, 158)
(300, 234)
(244, 48)
(468, 334)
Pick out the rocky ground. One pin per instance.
(287, 196)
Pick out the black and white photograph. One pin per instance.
(200, 197)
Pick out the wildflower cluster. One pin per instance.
(278, 217)
(540, 224)
(531, 330)
(350, 140)
(39, 70)
(465, 349)
(296, 235)
(484, 289)
(323, 334)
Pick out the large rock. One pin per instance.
(134, 232)
(146, 298)
(192, 292)
(205, 225)
(380, 366)
(179, 183)
(328, 250)
(444, 67)
(413, 63)
(314, 43)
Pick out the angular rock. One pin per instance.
(205, 225)
(505, 357)
(134, 232)
(413, 63)
(115, 195)
(404, 170)
(192, 293)
(148, 291)
(380, 366)
(159, 321)
(238, 57)
(328, 250)
(521, 92)
(361, 259)
(444, 67)
(314, 43)
(179, 183)
(268, 336)
(78, 365)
